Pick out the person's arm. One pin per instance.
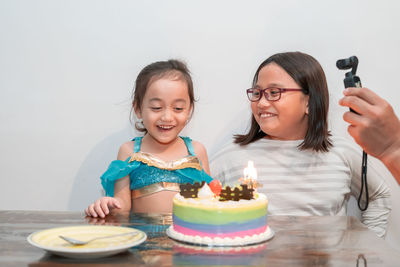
(375, 128)
(201, 153)
(122, 193)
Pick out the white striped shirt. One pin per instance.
(304, 182)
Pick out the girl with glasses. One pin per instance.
(302, 168)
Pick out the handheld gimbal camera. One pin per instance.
(351, 80)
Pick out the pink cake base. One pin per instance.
(190, 232)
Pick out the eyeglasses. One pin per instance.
(271, 94)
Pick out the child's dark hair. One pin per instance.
(307, 73)
(173, 69)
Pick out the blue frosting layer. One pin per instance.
(223, 228)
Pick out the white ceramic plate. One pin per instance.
(50, 241)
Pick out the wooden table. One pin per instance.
(298, 241)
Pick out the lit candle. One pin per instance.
(250, 174)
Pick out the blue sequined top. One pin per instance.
(145, 169)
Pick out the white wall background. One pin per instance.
(67, 69)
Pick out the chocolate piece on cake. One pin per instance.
(237, 193)
(190, 190)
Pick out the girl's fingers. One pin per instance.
(104, 206)
(101, 207)
(92, 211)
(98, 209)
(115, 203)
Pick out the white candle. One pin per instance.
(250, 172)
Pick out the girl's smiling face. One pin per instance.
(287, 118)
(165, 109)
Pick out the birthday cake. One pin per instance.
(233, 217)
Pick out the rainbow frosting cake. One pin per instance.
(233, 218)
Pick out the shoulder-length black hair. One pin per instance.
(307, 73)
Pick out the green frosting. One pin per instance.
(218, 216)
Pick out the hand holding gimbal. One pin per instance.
(351, 80)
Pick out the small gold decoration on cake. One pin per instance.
(250, 176)
(190, 190)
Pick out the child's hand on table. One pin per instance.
(102, 207)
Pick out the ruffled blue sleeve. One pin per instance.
(195, 175)
(117, 170)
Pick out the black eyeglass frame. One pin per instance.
(266, 94)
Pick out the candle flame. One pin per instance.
(250, 173)
(250, 176)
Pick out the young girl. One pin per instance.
(303, 170)
(149, 169)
